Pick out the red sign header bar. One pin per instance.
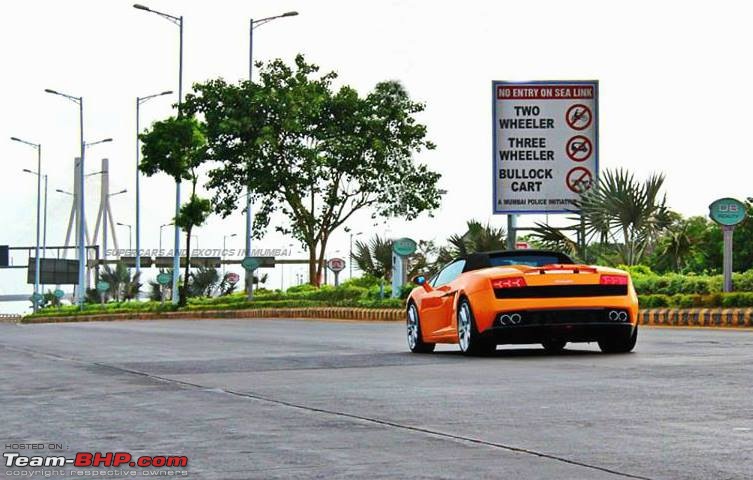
(544, 92)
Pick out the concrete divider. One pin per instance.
(664, 317)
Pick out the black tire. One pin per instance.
(469, 339)
(623, 344)
(413, 325)
(554, 346)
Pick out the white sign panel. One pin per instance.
(545, 145)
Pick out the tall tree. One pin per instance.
(177, 147)
(313, 153)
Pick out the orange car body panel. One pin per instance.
(437, 307)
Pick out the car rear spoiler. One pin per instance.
(559, 267)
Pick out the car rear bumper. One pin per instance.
(571, 325)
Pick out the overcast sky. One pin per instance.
(674, 92)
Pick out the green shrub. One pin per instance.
(365, 281)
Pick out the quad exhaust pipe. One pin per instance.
(509, 319)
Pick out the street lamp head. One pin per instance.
(290, 14)
(15, 139)
(106, 140)
(49, 90)
(167, 92)
(27, 170)
(138, 6)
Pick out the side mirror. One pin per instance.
(419, 280)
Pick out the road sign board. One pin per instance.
(727, 211)
(336, 264)
(167, 262)
(59, 293)
(251, 263)
(164, 278)
(36, 297)
(233, 277)
(404, 246)
(542, 131)
(145, 262)
(102, 286)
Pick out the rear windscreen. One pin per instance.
(530, 260)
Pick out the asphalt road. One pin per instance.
(305, 399)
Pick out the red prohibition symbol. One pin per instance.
(578, 117)
(579, 179)
(579, 148)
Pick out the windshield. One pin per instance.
(533, 260)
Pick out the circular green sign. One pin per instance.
(164, 278)
(727, 211)
(404, 246)
(251, 263)
(102, 286)
(59, 293)
(36, 297)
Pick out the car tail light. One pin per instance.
(509, 282)
(613, 280)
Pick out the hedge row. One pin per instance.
(647, 283)
(230, 303)
(713, 300)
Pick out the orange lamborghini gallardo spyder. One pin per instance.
(522, 296)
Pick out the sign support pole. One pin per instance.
(728, 232)
(397, 269)
(727, 212)
(512, 234)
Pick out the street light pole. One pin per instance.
(38, 146)
(44, 235)
(224, 238)
(160, 235)
(139, 101)
(254, 24)
(350, 260)
(176, 254)
(129, 232)
(81, 290)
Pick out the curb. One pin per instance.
(324, 313)
(660, 317)
(697, 317)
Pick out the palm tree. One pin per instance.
(626, 211)
(375, 257)
(123, 286)
(620, 213)
(477, 238)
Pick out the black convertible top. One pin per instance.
(477, 261)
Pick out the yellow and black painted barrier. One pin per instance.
(697, 317)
